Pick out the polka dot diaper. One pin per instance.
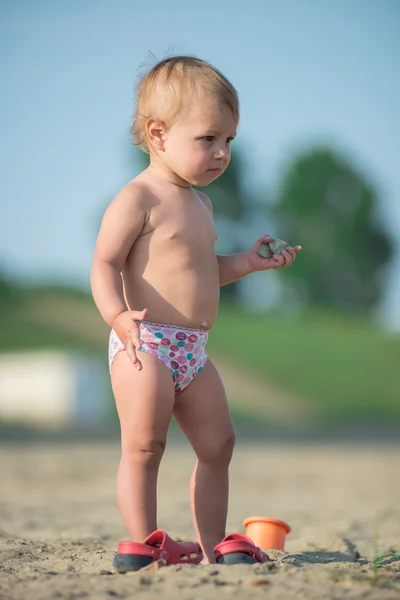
(181, 349)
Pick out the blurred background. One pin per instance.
(309, 351)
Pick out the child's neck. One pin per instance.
(162, 171)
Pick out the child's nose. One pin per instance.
(222, 153)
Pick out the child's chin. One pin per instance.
(206, 179)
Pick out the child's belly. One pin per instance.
(176, 293)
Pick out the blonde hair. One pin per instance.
(171, 85)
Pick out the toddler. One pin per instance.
(155, 279)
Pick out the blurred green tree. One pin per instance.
(9, 295)
(328, 207)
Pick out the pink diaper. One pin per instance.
(181, 349)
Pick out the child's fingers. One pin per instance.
(135, 336)
(279, 259)
(136, 363)
(143, 314)
(292, 252)
(264, 239)
(287, 258)
(130, 350)
(132, 355)
(137, 315)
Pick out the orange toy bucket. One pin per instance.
(267, 533)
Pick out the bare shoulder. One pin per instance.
(123, 222)
(133, 197)
(205, 199)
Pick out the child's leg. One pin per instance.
(201, 410)
(144, 402)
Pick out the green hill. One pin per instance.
(344, 366)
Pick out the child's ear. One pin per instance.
(155, 133)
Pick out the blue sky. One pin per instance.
(307, 71)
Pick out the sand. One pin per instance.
(59, 524)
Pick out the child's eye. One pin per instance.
(208, 138)
(229, 140)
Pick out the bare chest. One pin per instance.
(184, 223)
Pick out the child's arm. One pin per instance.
(236, 266)
(120, 227)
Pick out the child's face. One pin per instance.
(197, 146)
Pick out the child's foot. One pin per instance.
(132, 556)
(238, 548)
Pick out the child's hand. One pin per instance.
(285, 259)
(126, 326)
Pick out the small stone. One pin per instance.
(275, 246)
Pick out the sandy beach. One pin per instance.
(59, 523)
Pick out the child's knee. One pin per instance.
(227, 447)
(218, 451)
(146, 452)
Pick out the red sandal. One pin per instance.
(133, 556)
(238, 548)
